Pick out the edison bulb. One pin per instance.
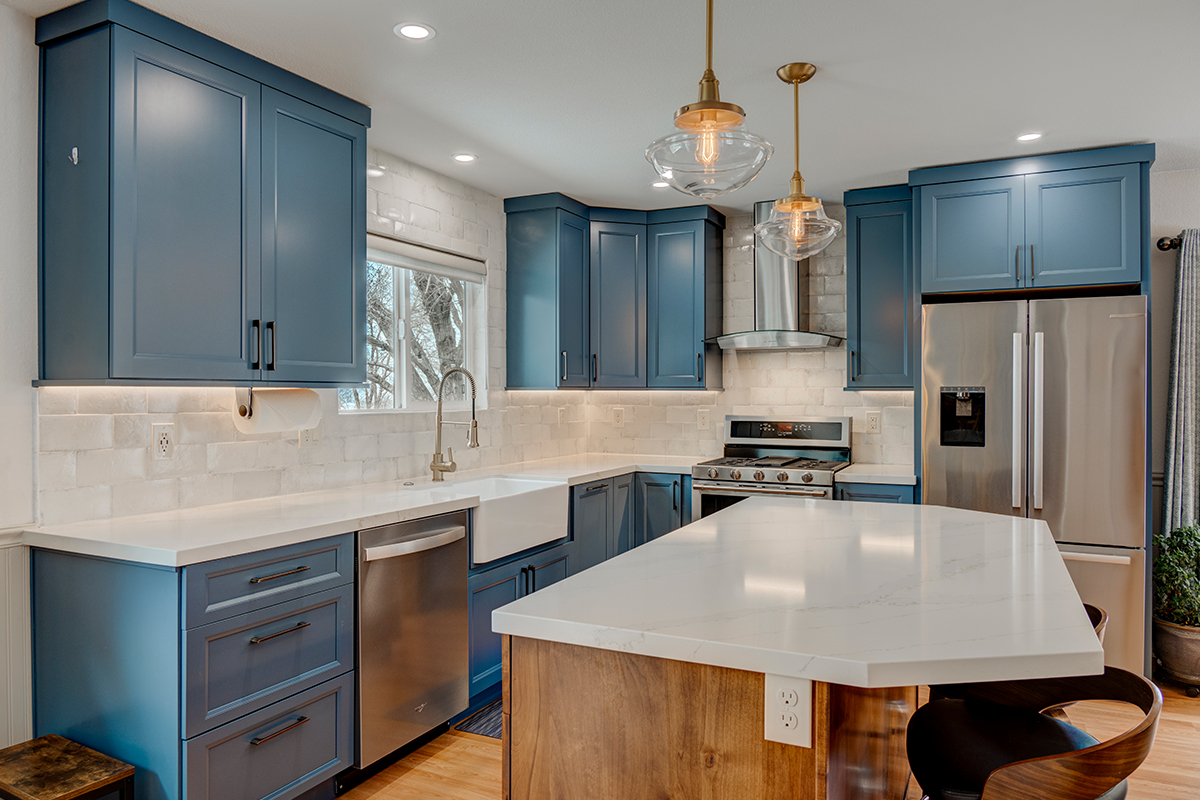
(708, 150)
(796, 225)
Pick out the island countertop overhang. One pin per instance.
(861, 594)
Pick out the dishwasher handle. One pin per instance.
(433, 539)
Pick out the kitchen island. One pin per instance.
(643, 677)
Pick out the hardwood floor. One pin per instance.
(463, 766)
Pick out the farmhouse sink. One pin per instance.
(514, 513)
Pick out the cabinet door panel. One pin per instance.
(488, 591)
(591, 521)
(970, 233)
(675, 310)
(574, 356)
(621, 537)
(618, 305)
(185, 218)
(658, 505)
(879, 296)
(1084, 226)
(550, 567)
(314, 243)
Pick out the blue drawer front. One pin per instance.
(311, 742)
(877, 493)
(221, 589)
(300, 644)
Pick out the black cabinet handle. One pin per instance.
(256, 327)
(1031, 273)
(1018, 263)
(674, 503)
(699, 367)
(853, 366)
(595, 368)
(266, 578)
(531, 577)
(257, 740)
(274, 337)
(297, 627)
(525, 579)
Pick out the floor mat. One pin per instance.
(485, 722)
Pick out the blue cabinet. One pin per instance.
(623, 534)
(658, 505)
(618, 300)
(875, 493)
(972, 234)
(881, 308)
(198, 224)
(592, 522)
(684, 304)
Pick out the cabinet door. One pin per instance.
(675, 305)
(879, 294)
(618, 305)
(621, 536)
(185, 214)
(314, 243)
(658, 505)
(971, 234)
(591, 521)
(1084, 226)
(487, 591)
(574, 355)
(548, 568)
(876, 493)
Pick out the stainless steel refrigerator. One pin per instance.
(1038, 408)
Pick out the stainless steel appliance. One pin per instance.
(765, 456)
(412, 631)
(1038, 408)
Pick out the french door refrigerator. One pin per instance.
(1038, 408)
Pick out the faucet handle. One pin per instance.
(450, 465)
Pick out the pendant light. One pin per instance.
(710, 155)
(797, 227)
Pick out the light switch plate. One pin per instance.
(787, 710)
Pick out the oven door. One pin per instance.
(709, 497)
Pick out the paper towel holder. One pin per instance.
(243, 398)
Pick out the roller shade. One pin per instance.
(385, 250)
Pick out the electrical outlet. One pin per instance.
(163, 435)
(562, 416)
(618, 417)
(703, 419)
(787, 710)
(308, 438)
(874, 422)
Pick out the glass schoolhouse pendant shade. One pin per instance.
(711, 154)
(798, 226)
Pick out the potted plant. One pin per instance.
(1177, 605)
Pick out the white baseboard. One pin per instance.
(16, 692)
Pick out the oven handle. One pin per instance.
(728, 491)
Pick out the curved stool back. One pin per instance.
(1099, 619)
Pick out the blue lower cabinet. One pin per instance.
(658, 505)
(279, 752)
(623, 533)
(592, 522)
(876, 493)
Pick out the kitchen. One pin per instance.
(92, 450)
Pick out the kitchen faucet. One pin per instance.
(438, 465)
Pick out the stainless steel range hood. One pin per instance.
(780, 303)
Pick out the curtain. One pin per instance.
(1181, 492)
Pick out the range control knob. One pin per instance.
(736, 474)
(758, 476)
(712, 472)
(806, 477)
(782, 477)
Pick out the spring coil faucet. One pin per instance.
(438, 465)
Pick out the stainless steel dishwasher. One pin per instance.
(412, 631)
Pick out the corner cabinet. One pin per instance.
(1065, 220)
(881, 307)
(618, 313)
(684, 304)
(197, 224)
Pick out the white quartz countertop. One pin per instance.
(893, 474)
(861, 594)
(189, 536)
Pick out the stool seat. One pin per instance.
(54, 768)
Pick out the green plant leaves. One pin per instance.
(1177, 576)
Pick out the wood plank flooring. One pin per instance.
(463, 766)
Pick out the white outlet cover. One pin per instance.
(618, 417)
(162, 440)
(562, 416)
(703, 419)
(874, 422)
(787, 710)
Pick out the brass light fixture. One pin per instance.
(710, 155)
(798, 227)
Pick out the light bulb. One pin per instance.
(796, 226)
(709, 148)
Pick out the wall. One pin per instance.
(18, 357)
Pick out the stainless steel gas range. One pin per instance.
(765, 456)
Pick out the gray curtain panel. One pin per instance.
(1181, 494)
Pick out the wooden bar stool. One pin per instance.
(54, 768)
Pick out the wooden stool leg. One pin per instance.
(127, 788)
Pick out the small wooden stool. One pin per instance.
(54, 768)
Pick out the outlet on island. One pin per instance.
(787, 710)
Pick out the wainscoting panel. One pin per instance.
(16, 713)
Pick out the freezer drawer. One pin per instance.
(1114, 579)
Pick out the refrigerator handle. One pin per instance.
(1039, 418)
(1018, 403)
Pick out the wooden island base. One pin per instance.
(580, 722)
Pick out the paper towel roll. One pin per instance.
(275, 410)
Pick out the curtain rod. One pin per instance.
(1167, 243)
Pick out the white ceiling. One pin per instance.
(564, 95)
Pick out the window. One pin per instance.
(421, 321)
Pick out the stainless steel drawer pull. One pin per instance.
(438, 538)
(266, 578)
(257, 740)
(298, 626)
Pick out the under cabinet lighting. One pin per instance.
(414, 30)
(1029, 137)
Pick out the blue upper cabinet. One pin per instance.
(683, 305)
(972, 234)
(194, 201)
(1061, 220)
(574, 306)
(618, 299)
(880, 297)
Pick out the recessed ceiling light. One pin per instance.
(465, 158)
(414, 30)
(660, 184)
(1028, 137)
